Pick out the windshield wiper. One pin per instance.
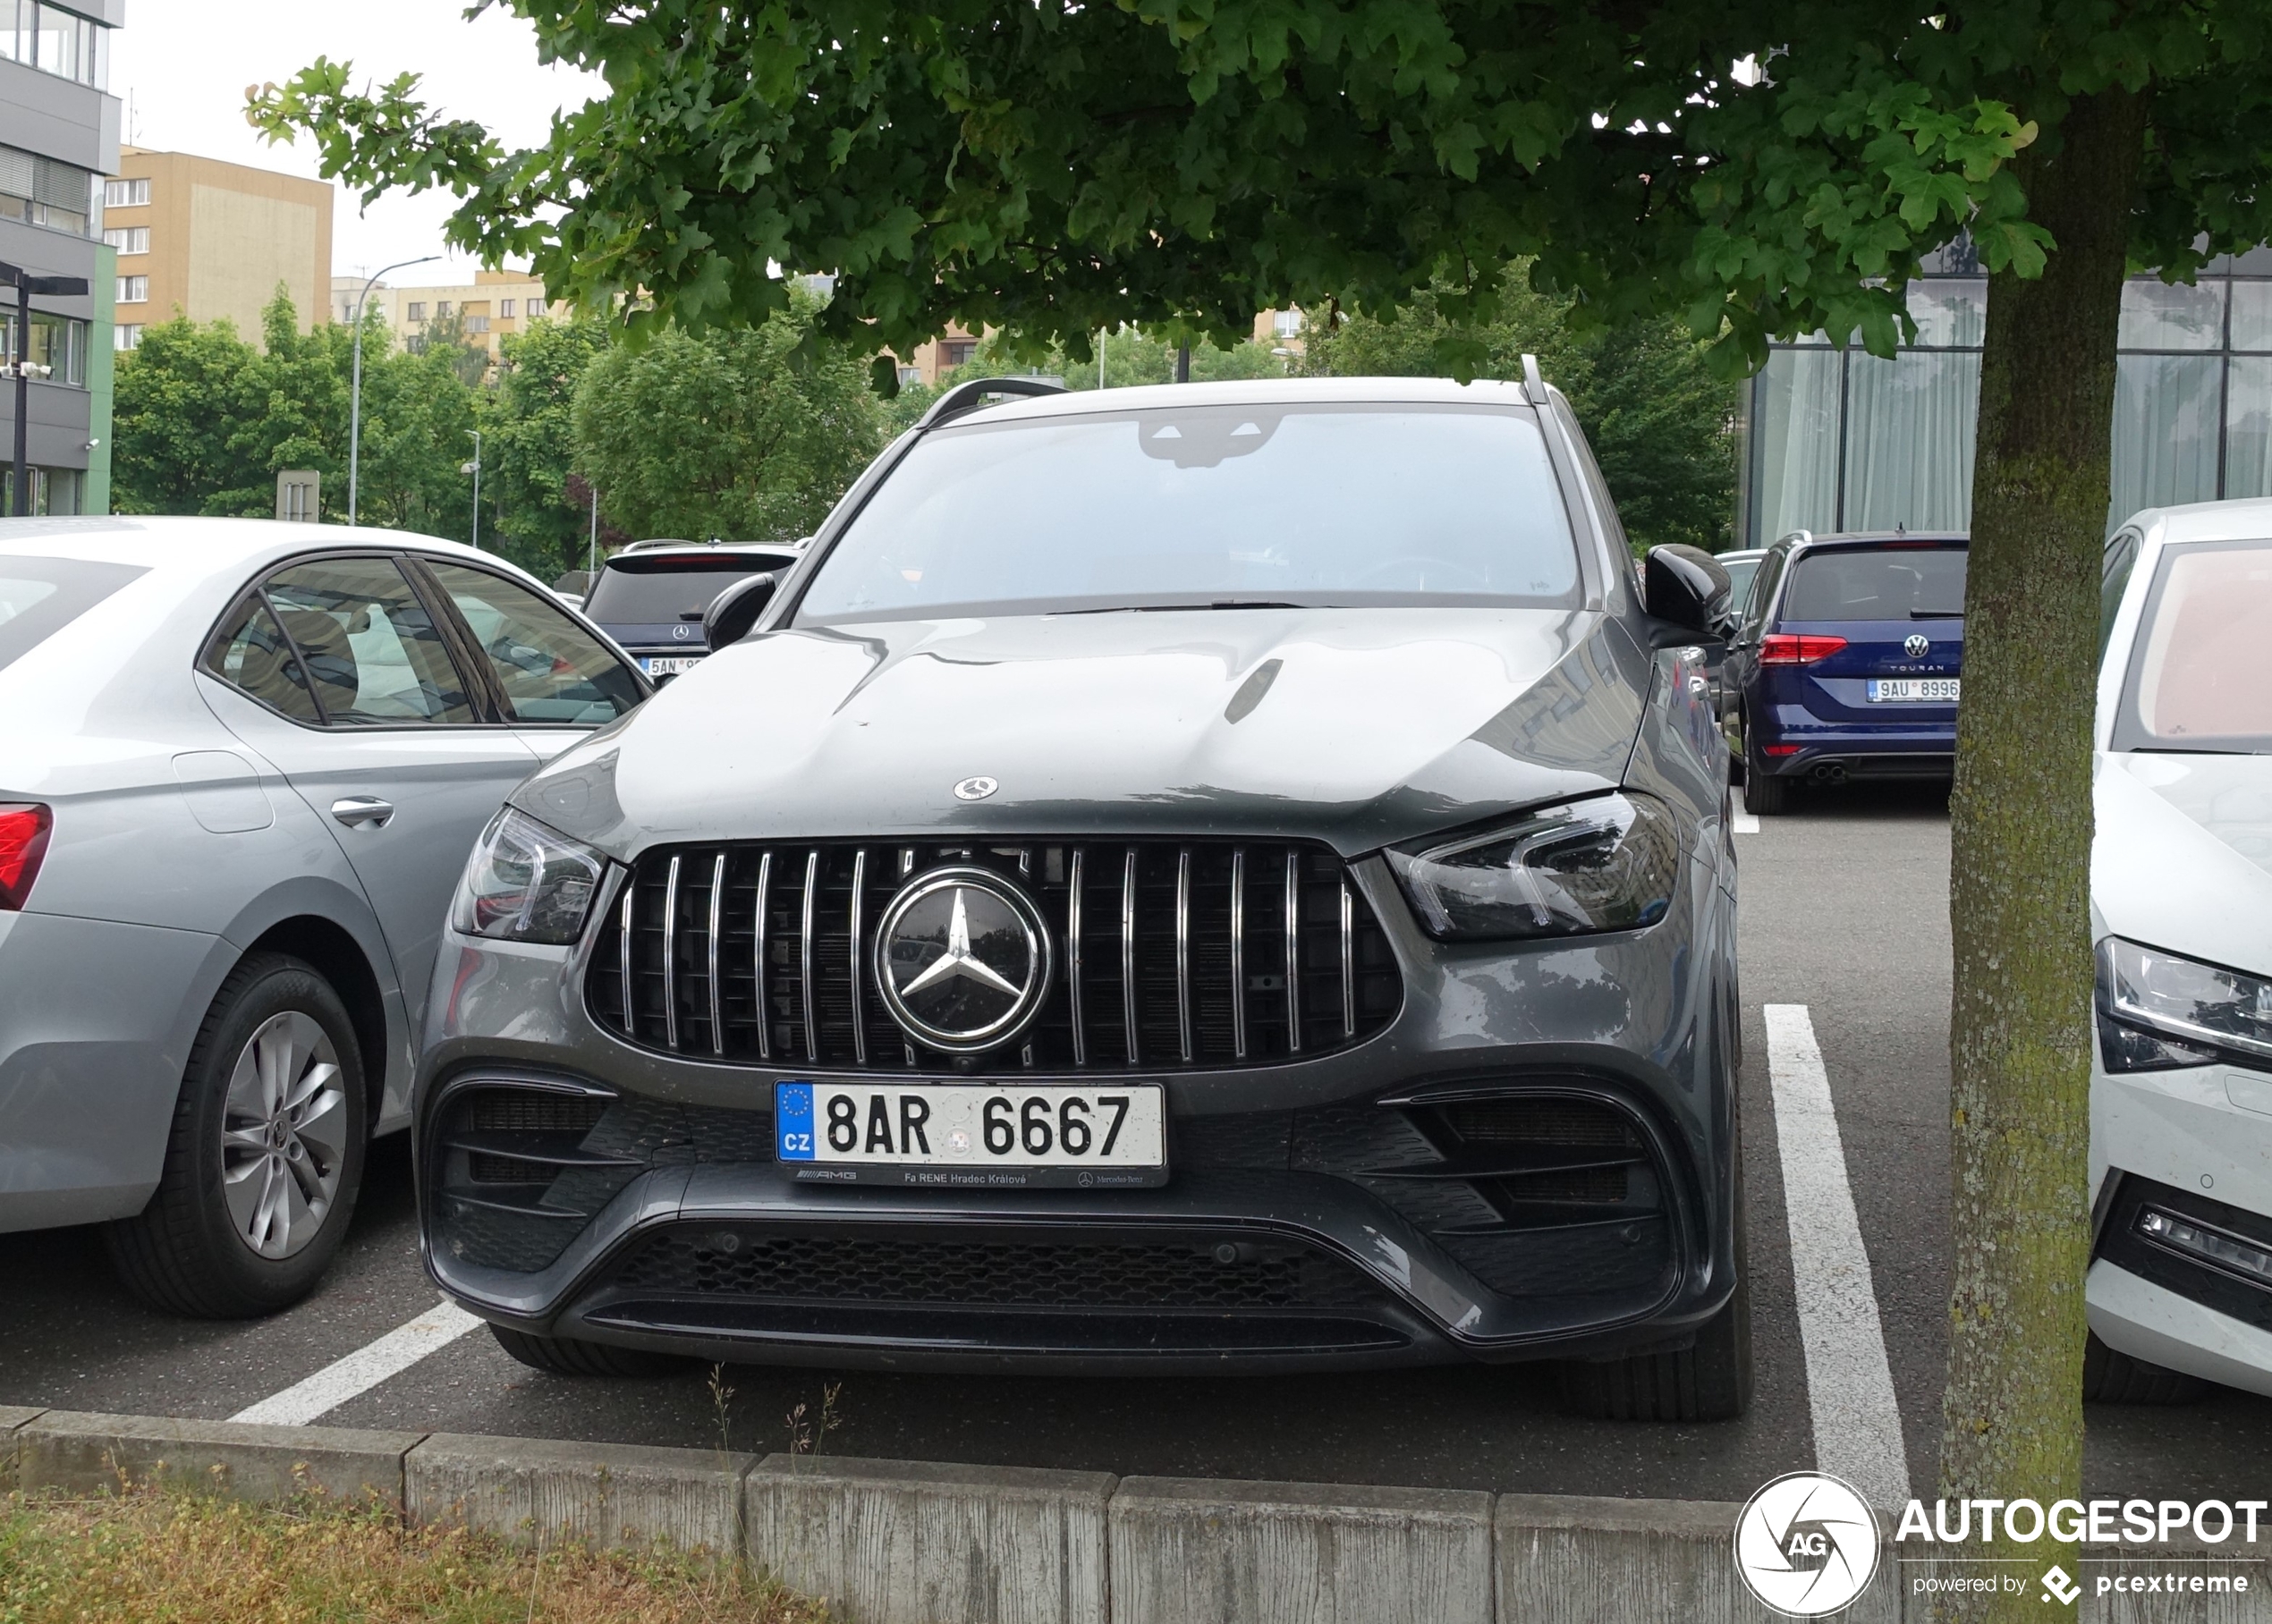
(1227, 603)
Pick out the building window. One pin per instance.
(134, 290)
(58, 343)
(910, 376)
(536, 308)
(125, 194)
(125, 336)
(441, 306)
(504, 308)
(129, 239)
(956, 352)
(54, 41)
(43, 191)
(418, 310)
(477, 324)
(1285, 324)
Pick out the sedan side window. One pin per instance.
(550, 669)
(249, 652)
(1763, 589)
(375, 656)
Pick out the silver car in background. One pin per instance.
(241, 764)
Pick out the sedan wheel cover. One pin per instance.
(283, 1134)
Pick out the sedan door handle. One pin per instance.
(356, 810)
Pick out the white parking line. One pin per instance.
(1740, 821)
(363, 1369)
(1849, 1387)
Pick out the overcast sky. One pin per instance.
(182, 67)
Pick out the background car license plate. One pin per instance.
(1915, 691)
(977, 1134)
(669, 665)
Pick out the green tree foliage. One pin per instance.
(750, 434)
(204, 422)
(528, 446)
(446, 336)
(1661, 421)
(1059, 171)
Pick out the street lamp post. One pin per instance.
(355, 393)
(19, 367)
(474, 468)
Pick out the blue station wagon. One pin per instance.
(1847, 663)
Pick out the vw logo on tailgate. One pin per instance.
(1917, 646)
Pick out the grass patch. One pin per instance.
(175, 1558)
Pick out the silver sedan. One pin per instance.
(241, 764)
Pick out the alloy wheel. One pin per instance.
(283, 1134)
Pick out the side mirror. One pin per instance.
(1686, 588)
(734, 611)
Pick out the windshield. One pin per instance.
(1205, 505)
(655, 591)
(38, 596)
(1892, 583)
(2196, 677)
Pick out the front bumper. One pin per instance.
(1287, 1237)
(2194, 1143)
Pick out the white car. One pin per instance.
(241, 766)
(2180, 1289)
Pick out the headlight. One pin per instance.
(526, 884)
(1606, 863)
(2157, 1011)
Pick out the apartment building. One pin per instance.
(58, 138)
(483, 311)
(199, 238)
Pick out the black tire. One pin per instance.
(181, 1254)
(562, 1356)
(2115, 1378)
(1709, 1381)
(1765, 795)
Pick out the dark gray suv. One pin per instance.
(1180, 879)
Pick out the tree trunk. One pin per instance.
(2020, 1022)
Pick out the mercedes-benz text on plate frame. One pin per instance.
(982, 1135)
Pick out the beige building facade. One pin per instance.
(484, 309)
(210, 240)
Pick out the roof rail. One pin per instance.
(970, 396)
(1534, 386)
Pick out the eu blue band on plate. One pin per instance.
(793, 1119)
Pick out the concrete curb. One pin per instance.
(83, 1453)
(1185, 1548)
(892, 1541)
(534, 1492)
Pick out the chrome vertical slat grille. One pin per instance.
(670, 956)
(1193, 953)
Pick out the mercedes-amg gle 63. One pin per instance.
(1200, 878)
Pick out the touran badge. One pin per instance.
(962, 959)
(1917, 646)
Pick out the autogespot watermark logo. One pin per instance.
(1806, 1544)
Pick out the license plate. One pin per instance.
(669, 665)
(971, 1134)
(1914, 690)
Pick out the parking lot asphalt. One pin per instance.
(1844, 911)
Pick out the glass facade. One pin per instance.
(1840, 440)
(55, 41)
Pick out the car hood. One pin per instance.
(2183, 855)
(1357, 727)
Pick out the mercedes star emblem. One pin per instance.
(681, 632)
(975, 789)
(962, 959)
(1917, 646)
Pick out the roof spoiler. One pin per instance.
(970, 396)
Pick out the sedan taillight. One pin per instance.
(1797, 648)
(23, 842)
